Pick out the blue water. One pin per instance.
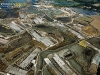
(64, 3)
(17, 0)
(29, 1)
(85, 12)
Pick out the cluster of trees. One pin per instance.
(79, 0)
(87, 0)
(60, 0)
(2, 13)
(89, 3)
(1, 0)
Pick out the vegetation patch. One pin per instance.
(85, 20)
(89, 30)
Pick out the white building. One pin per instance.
(63, 65)
(14, 26)
(48, 62)
(30, 58)
(45, 40)
(38, 20)
(16, 71)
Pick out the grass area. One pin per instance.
(2, 13)
(2, 0)
(45, 28)
(86, 19)
(6, 30)
(76, 3)
(64, 19)
(95, 41)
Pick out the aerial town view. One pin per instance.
(49, 37)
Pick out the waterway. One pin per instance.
(16, 0)
(84, 12)
(29, 1)
(63, 3)
(78, 10)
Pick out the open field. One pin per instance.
(85, 20)
(96, 22)
(89, 30)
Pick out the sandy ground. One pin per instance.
(89, 30)
(96, 22)
(93, 68)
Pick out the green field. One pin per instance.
(84, 19)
